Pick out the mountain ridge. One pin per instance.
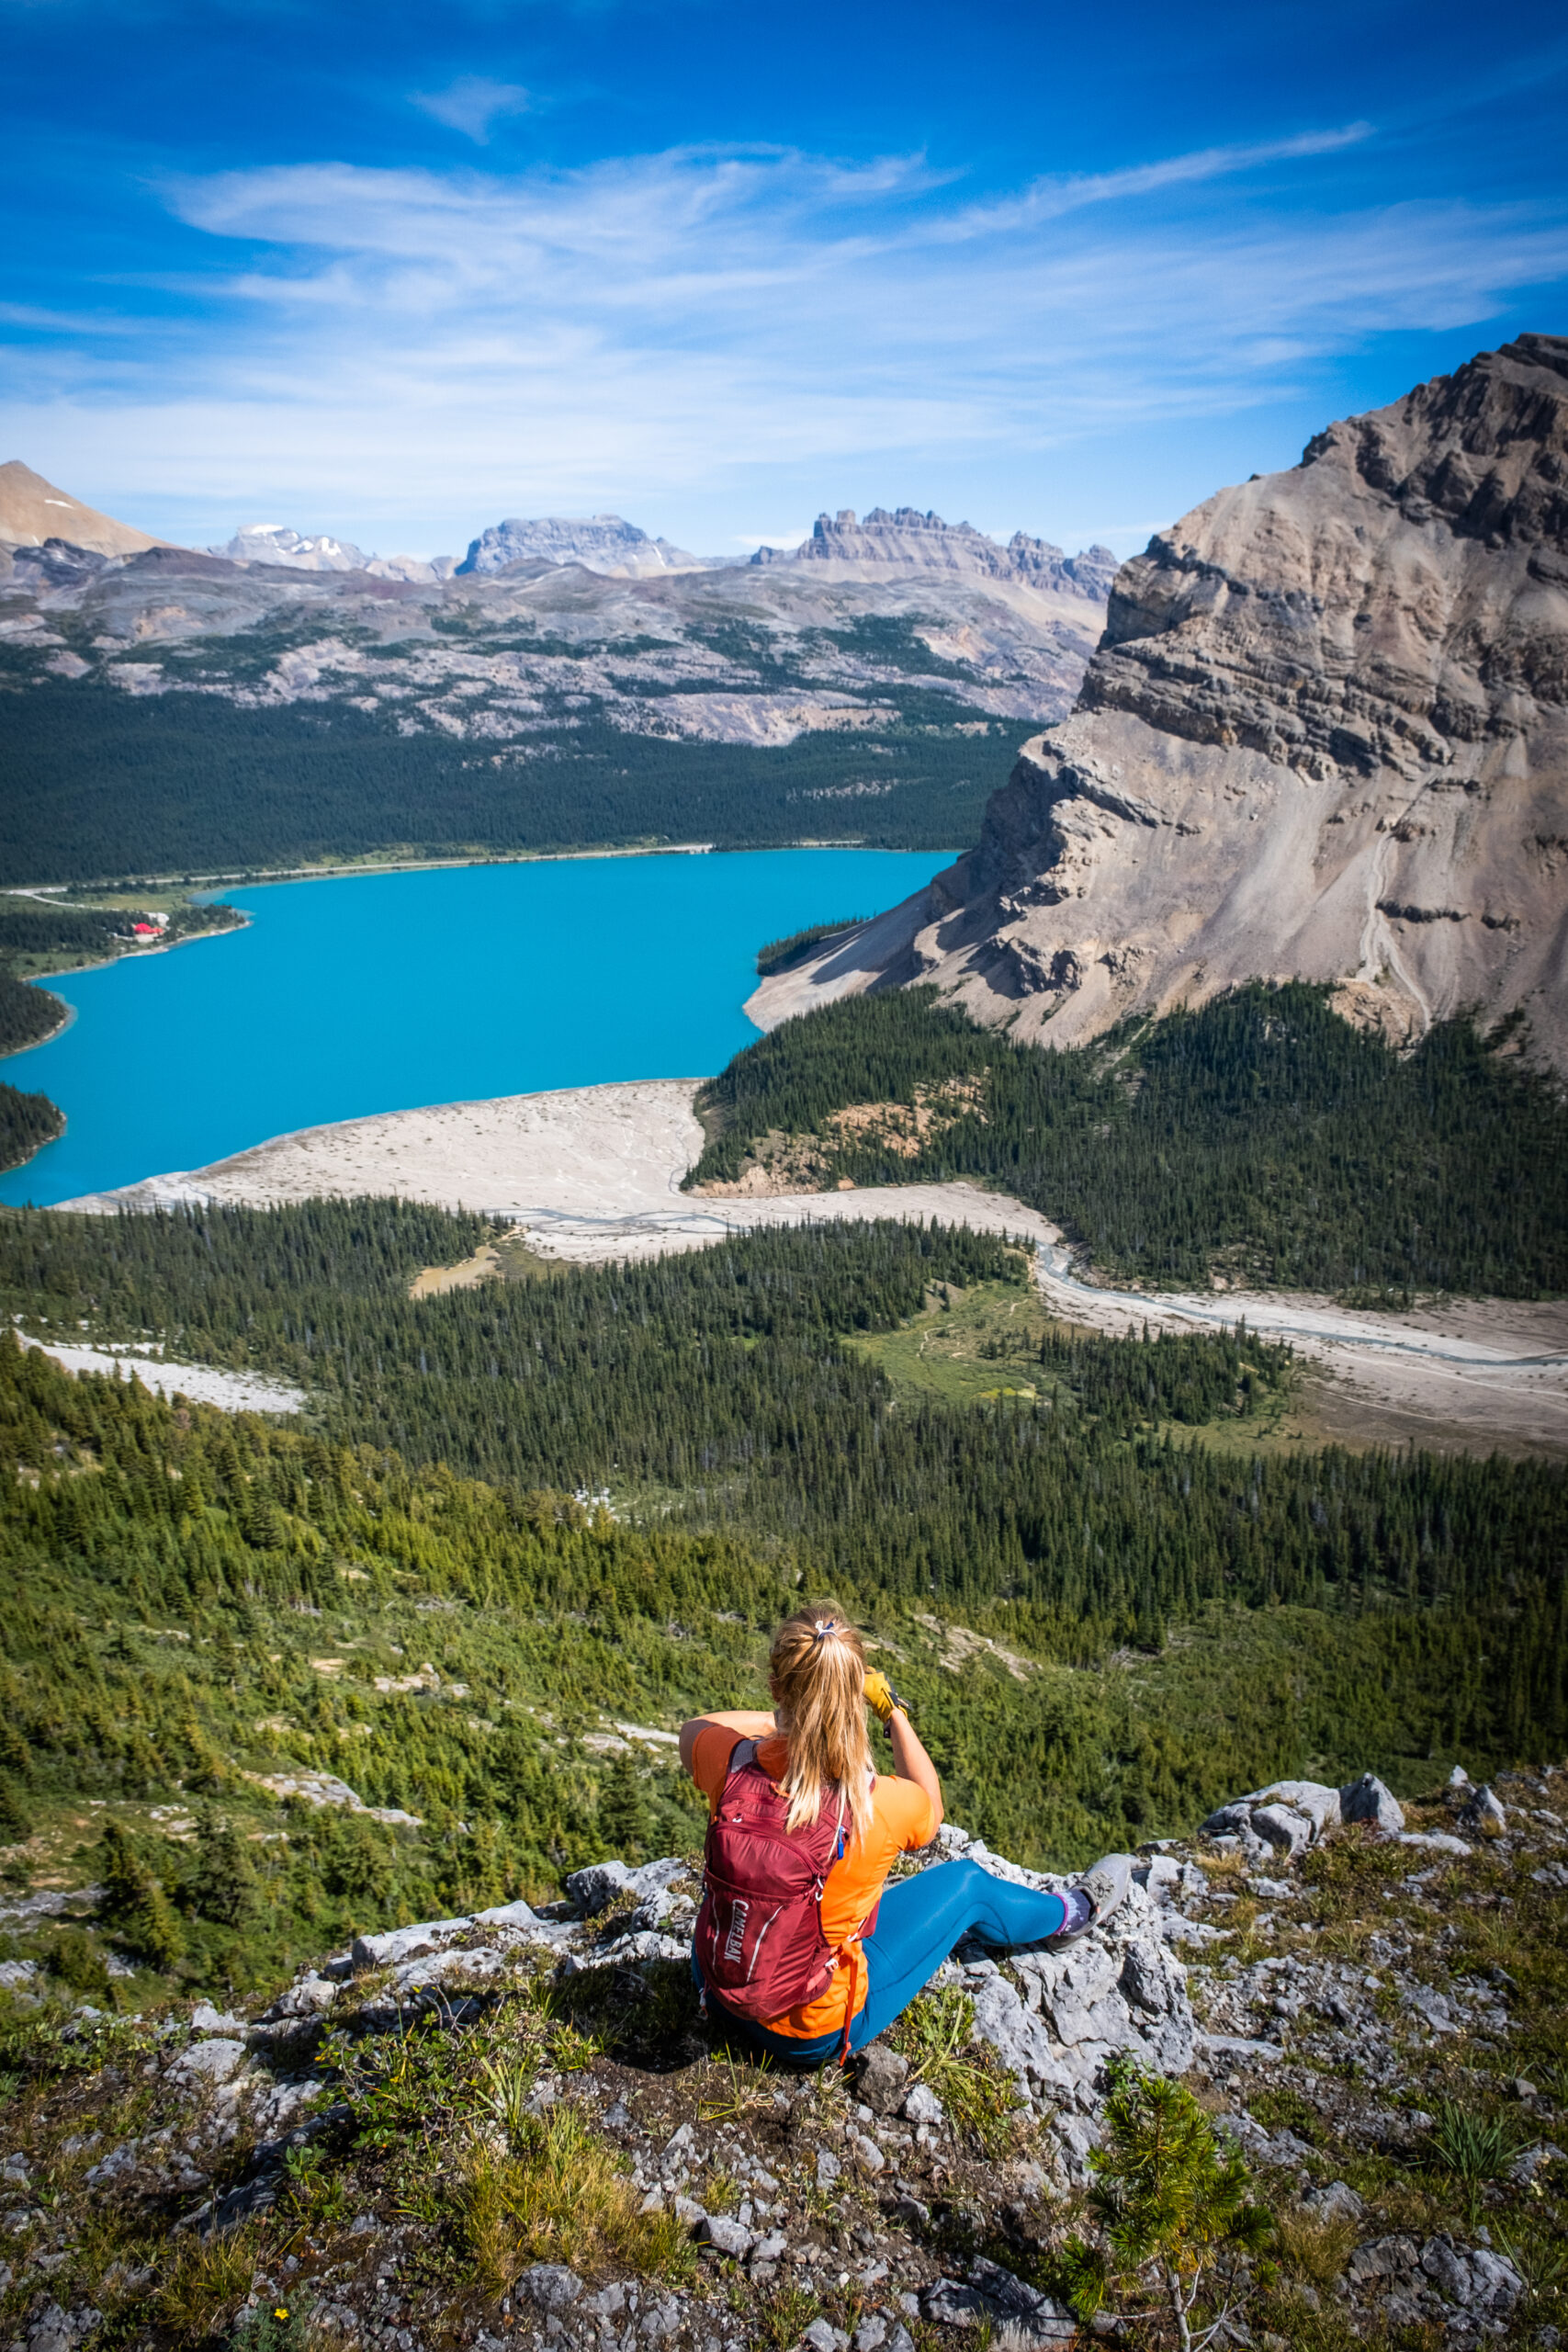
(1324, 736)
(923, 541)
(33, 511)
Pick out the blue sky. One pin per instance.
(394, 272)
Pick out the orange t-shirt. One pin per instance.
(902, 1818)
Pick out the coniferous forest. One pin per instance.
(26, 1122)
(94, 783)
(1260, 1135)
(1111, 1599)
(402, 1591)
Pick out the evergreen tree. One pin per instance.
(223, 1886)
(624, 1818)
(136, 1904)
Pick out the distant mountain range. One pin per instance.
(1003, 631)
(32, 512)
(275, 543)
(499, 702)
(925, 543)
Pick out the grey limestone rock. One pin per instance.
(1019, 2316)
(306, 1998)
(550, 2285)
(1494, 2285)
(1368, 1800)
(922, 2104)
(1483, 1811)
(1281, 1826)
(594, 1889)
(1386, 2257)
(1337, 2201)
(882, 2076)
(53, 2331)
(1472, 2279)
(210, 2063)
(204, 2018)
(725, 2235)
(398, 1944)
(1288, 1816)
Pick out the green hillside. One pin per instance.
(1260, 1135)
(1105, 1627)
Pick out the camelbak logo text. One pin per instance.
(735, 1942)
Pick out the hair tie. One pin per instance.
(820, 1633)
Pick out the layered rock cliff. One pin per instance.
(1324, 735)
(924, 542)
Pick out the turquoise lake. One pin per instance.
(388, 992)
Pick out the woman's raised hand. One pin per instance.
(880, 1695)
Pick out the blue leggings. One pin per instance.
(920, 1920)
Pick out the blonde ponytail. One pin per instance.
(818, 1676)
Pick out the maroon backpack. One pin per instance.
(759, 1935)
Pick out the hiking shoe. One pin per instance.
(1106, 1885)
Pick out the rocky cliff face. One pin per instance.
(1324, 735)
(908, 538)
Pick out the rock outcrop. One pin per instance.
(1324, 736)
(327, 2154)
(924, 542)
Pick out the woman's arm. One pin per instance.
(746, 1723)
(910, 1760)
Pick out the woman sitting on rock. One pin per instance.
(797, 1945)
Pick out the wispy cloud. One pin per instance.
(473, 104)
(1051, 198)
(651, 322)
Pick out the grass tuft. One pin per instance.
(206, 2281)
(1314, 2249)
(558, 2196)
(935, 2033)
(1471, 2147)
